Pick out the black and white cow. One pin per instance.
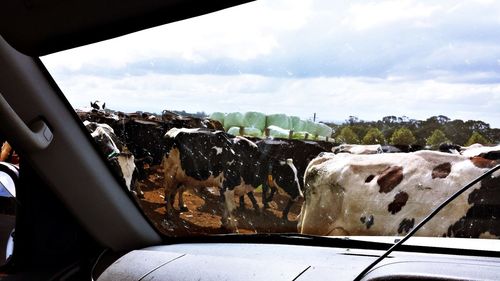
(121, 160)
(470, 151)
(98, 105)
(387, 194)
(288, 178)
(199, 158)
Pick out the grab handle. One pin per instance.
(36, 137)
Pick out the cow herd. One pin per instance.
(344, 190)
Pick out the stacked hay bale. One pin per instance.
(246, 124)
(278, 125)
(259, 125)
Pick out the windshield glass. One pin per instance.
(317, 117)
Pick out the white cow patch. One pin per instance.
(358, 148)
(217, 149)
(127, 166)
(172, 133)
(243, 139)
(289, 162)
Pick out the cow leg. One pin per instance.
(242, 202)
(139, 191)
(170, 198)
(228, 221)
(273, 191)
(254, 201)
(182, 206)
(135, 186)
(265, 189)
(169, 202)
(287, 208)
(170, 186)
(265, 199)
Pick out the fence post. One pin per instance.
(266, 132)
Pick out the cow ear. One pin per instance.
(103, 105)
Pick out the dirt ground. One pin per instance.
(205, 210)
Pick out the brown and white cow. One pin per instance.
(387, 194)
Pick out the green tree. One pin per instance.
(347, 135)
(374, 136)
(437, 138)
(477, 138)
(403, 136)
(457, 132)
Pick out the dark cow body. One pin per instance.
(144, 140)
(144, 137)
(282, 176)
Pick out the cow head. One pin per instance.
(105, 142)
(324, 196)
(98, 105)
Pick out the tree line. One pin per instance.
(405, 131)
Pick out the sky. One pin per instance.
(337, 59)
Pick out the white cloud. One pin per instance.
(240, 33)
(330, 98)
(365, 15)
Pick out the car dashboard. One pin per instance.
(256, 261)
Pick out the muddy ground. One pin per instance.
(205, 210)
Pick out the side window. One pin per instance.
(9, 174)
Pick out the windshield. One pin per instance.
(317, 117)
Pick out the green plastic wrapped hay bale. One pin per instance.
(324, 130)
(311, 127)
(235, 131)
(234, 119)
(254, 120)
(277, 132)
(253, 132)
(279, 120)
(296, 124)
(301, 126)
(219, 116)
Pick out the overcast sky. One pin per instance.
(335, 58)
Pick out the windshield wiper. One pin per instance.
(425, 220)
